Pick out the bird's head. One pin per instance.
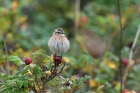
(59, 31)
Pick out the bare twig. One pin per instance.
(130, 22)
(53, 74)
(130, 57)
(121, 34)
(6, 52)
(76, 20)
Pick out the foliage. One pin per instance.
(38, 78)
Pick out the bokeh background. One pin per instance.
(92, 26)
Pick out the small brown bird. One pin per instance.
(58, 43)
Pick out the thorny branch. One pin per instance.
(53, 74)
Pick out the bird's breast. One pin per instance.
(58, 44)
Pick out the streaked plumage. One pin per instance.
(58, 43)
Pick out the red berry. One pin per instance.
(57, 60)
(84, 19)
(125, 91)
(125, 61)
(28, 60)
(66, 92)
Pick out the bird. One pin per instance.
(58, 42)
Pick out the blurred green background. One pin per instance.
(92, 26)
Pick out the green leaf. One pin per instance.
(2, 88)
(37, 71)
(42, 52)
(25, 69)
(20, 84)
(16, 60)
(13, 58)
(16, 90)
(18, 63)
(86, 77)
(79, 80)
(48, 59)
(38, 57)
(11, 82)
(4, 75)
(25, 84)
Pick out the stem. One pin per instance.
(43, 86)
(75, 89)
(35, 87)
(121, 28)
(38, 85)
(130, 56)
(61, 68)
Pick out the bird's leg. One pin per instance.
(54, 54)
(61, 55)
